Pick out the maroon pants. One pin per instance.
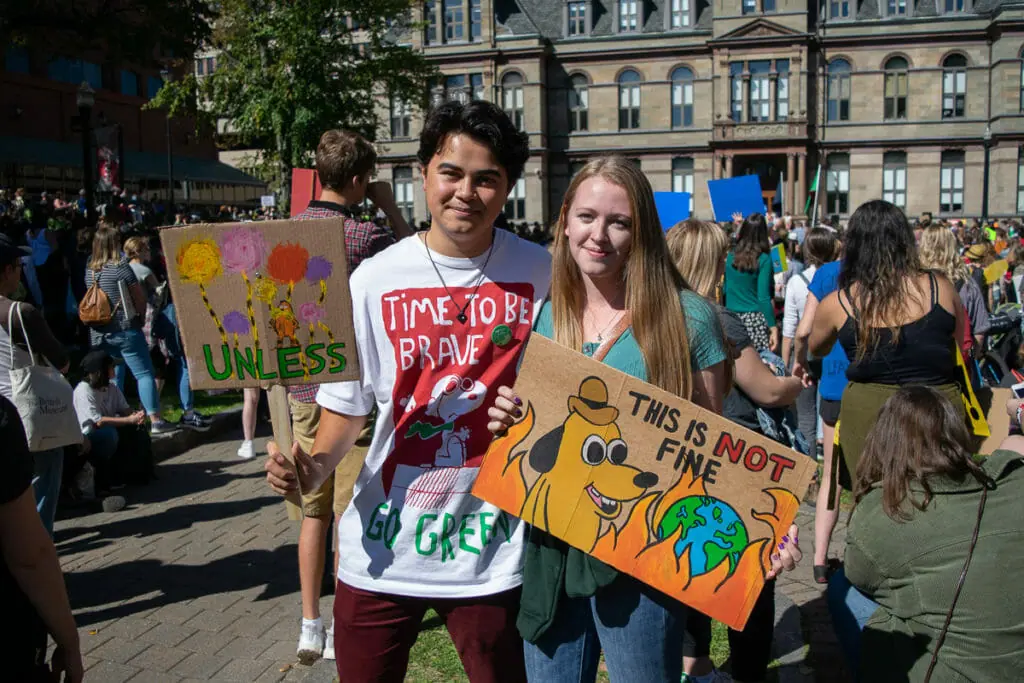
(373, 633)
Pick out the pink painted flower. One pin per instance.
(242, 250)
(311, 312)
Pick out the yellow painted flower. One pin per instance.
(266, 290)
(199, 261)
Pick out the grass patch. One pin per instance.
(434, 660)
(205, 403)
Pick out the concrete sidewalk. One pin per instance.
(198, 580)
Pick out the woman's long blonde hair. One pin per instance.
(651, 280)
(106, 247)
(938, 250)
(698, 248)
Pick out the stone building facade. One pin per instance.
(892, 99)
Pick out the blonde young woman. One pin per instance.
(699, 250)
(939, 251)
(611, 265)
(122, 337)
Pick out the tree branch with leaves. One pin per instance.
(287, 70)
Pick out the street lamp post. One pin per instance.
(85, 99)
(984, 183)
(165, 74)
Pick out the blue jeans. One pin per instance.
(850, 611)
(130, 345)
(639, 629)
(48, 466)
(165, 328)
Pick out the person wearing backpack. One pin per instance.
(108, 307)
(15, 333)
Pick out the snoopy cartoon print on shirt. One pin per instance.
(452, 397)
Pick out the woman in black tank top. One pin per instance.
(882, 281)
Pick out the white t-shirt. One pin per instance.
(796, 300)
(92, 404)
(412, 527)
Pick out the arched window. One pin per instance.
(629, 100)
(578, 103)
(839, 90)
(896, 88)
(682, 98)
(954, 86)
(512, 98)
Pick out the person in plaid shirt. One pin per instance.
(344, 163)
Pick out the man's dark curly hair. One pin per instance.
(484, 122)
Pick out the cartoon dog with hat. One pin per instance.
(588, 454)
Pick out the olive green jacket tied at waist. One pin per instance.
(911, 569)
(857, 415)
(553, 570)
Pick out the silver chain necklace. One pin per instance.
(461, 316)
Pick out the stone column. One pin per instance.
(771, 96)
(801, 188)
(716, 162)
(728, 166)
(745, 114)
(790, 184)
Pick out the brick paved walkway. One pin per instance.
(197, 580)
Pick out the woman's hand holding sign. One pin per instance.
(787, 555)
(506, 410)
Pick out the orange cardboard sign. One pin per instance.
(652, 484)
(263, 303)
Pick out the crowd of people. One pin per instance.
(858, 344)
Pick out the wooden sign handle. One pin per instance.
(281, 419)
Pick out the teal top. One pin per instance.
(552, 568)
(703, 331)
(750, 292)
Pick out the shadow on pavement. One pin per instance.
(274, 570)
(85, 538)
(824, 655)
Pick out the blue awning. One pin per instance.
(20, 150)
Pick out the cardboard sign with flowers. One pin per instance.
(262, 303)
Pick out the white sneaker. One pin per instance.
(329, 644)
(311, 644)
(246, 451)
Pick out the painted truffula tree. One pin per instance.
(199, 263)
(287, 265)
(242, 251)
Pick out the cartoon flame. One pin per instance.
(501, 473)
(656, 563)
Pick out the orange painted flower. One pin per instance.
(288, 262)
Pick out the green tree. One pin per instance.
(129, 30)
(288, 70)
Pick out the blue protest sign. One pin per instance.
(741, 194)
(672, 207)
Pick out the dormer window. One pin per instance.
(679, 14)
(839, 9)
(896, 8)
(630, 19)
(576, 16)
(954, 6)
